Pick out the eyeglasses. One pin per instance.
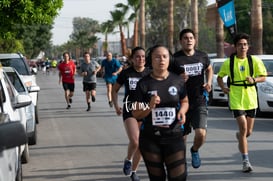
(242, 44)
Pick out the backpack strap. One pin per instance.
(231, 67)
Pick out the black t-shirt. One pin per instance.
(195, 67)
(170, 91)
(129, 78)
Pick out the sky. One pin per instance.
(96, 9)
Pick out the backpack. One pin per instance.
(230, 80)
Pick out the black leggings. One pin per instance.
(158, 156)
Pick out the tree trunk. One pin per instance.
(135, 42)
(170, 27)
(122, 41)
(105, 45)
(194, 18)
(256, 27)
(219, 27)
(142, 24)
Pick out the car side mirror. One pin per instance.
(12, 134)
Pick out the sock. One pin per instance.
(245, 156)
(193, 150)
(129, 160)
(88, 104)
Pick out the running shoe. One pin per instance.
(247, 166)
(110, 103)
(93, 99)
(134, 177)
(195, 159)
(127, 167)
(88, 108)
(68, 106)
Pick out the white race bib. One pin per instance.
(163, 116)
(193, 69)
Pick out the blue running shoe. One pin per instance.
(195, 159)
(127, 167)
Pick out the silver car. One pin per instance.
(10, 103)
(265, 89)
(29, 111)
(216, 94)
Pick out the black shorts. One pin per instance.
(248, 113)
(127, 114)
(69, 86)
(89, 86)
(196, 118)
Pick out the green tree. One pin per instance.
(106, 28)
(28, 12)
(134, 5)
(34, 38)
(118, 19)
(83, 35)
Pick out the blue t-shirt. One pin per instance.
(110, 67)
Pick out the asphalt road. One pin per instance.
(75, 145)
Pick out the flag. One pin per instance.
(227, 13)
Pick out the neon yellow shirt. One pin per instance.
(241, 98)
(54, 63)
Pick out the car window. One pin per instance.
(216, 67)
(15, 80)
(9, 88)
(18, 64)
(2, 95)
(269, 67)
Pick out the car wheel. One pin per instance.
(32, 140)
(19, 173)
(36, 114)
(25, 155)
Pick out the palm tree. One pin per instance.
(170, 26)
(118, 17)
(256, 27)
(134, 5)
(142, 23)
(194, 18)
(106, 28)
(219, 27)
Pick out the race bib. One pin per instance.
(133, 83)
(163, 116)
(193, 69)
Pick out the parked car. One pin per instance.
(28, 111)
(10, 103)
(12, 135)
(18, 61)
(217, 95)
(265, 89)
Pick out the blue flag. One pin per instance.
(227, 13)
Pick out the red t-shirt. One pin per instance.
(67, 71)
